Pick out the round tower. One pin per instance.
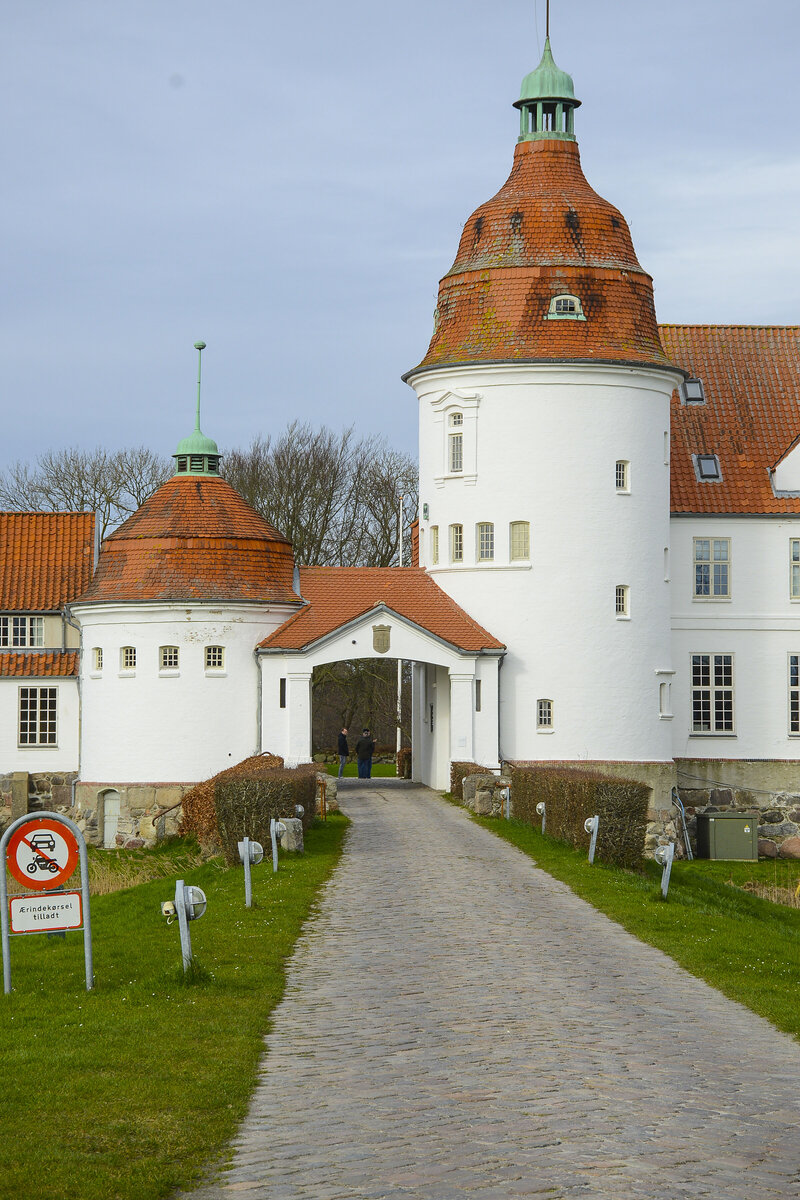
(543, 429)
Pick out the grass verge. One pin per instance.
(129, 1091)
(746, 947)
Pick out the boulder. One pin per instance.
(470, 785)
(292, 838)
(786, 829)
(482, 803)
(773, 817)
(134, 843)
(767, 849)
(790, 848)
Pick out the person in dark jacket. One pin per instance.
(344, 751)
(365, 748)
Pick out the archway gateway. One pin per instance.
(381, 613)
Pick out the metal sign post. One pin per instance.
(249, 852)
(42, 850)
(591, 825)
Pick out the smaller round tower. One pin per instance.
(543, 428)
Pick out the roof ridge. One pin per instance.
(713, 325)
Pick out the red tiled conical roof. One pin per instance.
(545, 233)
(194, 539)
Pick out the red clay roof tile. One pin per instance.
(46, 559)
(47, 665)
(336, 595)
(751, 415)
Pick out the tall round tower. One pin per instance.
(543, 429)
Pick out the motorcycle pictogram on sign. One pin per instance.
(42, 854)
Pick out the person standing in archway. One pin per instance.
(344, 750)
(365, 748)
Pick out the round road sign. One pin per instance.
(42, 853)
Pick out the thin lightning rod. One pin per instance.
(548, 18)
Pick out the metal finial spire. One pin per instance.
(199, 347)
(548, 19)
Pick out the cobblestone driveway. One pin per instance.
(457, 1026)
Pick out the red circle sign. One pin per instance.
(42, 854)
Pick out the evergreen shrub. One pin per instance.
(245, 807)
(570, 796)
(457, 772)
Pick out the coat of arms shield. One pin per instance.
(380, 638)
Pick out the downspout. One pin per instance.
(67, 620)
(259, 699)
(499, 750)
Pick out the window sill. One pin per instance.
(95, 674)
(168, 673)
(712, 735)
(480, 566)
(623, 491)
(712, 599)
(667, 717)
(545, 730)
(38, 746)
(213, 673)
(126, 674)
(622, 617)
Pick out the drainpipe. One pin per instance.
(499, 750)
(66, 618)
(259, 700)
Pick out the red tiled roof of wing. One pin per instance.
(751, 380)
(46, 559)
(51, 664)
(337, 595)
(194, 539)
(545, 232)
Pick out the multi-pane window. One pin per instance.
(622, 475)
(215, 658)
(21, 631)
(794, 693)
(456, 543)
(456, 452)
(519, 540)
(794, 565)
(97, 658)
(712, 567)
(127, 658)
(168, 658)
(544, 714)
(434, 544)
(621, 600)
(485, 541)
(37, 716)
(712, 693)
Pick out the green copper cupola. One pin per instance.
(547, 102)
(197, 454)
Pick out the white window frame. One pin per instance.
(544, 716)
(455, 453)
(794, 568)
(717, 569)
(622, 602)
(32, 737)
(169, 658)
(456, 543)
(212, 653)
(127, 659)
(565, 307)
(715, 693)
(519, 532)
(434, 541)
(21, 632)
(793, 665)
(97, 658)
(622, 476)
(484, 541)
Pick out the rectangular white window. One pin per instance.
(621, 600)
(794, 568)
(519, 540)
(37, 716)
(622, 475)
(97, 658)
(712, 693)
(485, 541)
(127, 658)
(456, 543)
(544, 714)
(456, 452)
(21, 631)
(434, 544)
(794, 693)
(712, 568)
(168, 658)
(215, 658)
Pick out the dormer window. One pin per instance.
(565, 308)
(692, 392)
(706, 467)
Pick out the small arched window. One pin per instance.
(565, 308)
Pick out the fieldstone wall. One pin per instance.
(142, 817)
(770, 788)
(21, 793)
(483, 794)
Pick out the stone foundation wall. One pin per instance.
(141, 805)
(21, 793)
(769, 788)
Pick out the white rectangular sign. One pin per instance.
(41, 914)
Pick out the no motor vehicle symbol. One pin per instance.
(42, 854)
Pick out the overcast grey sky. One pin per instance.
(288, 182)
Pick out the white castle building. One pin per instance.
(608, 561)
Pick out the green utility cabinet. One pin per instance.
(727, 835)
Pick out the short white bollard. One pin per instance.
(189, 905)
(591, 825)
(249, 852)
(540, 808)
(276, 829)
(665, 856)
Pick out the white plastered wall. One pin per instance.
(34, 759)
(544, 441)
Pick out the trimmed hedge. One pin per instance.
(458, 770)
(199, 812)
(245, 807)
(570, 796)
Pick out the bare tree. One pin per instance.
(111, 483)
(336, 497)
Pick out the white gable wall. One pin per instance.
(40, 759)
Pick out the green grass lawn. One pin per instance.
(128, 1091)
(746, 947)
(379, 770)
